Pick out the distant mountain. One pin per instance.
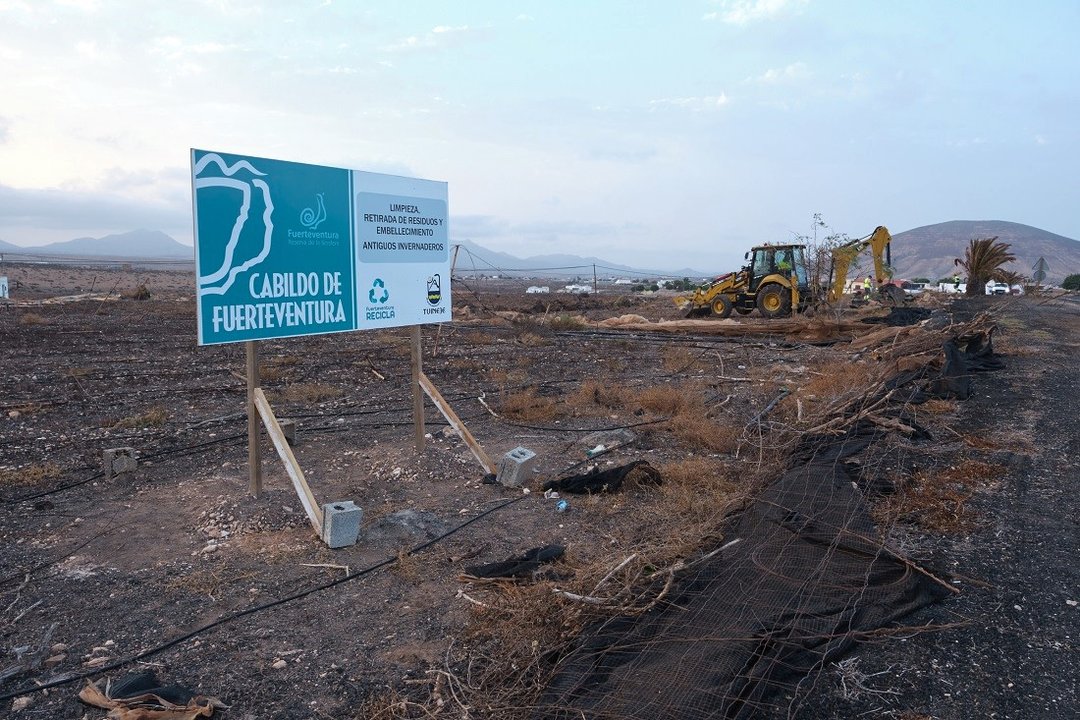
(134, 244)
(8, 247)
(929, 251)
(477, 259)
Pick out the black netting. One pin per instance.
(806, 578)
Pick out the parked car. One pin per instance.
(997, 288)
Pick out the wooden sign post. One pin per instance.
(254, 451)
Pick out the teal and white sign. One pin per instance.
(285, 249)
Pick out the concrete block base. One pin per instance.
(288, 429)
(341, 523)
(117, 461)
(515, 467)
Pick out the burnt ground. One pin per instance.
(1012, 646)
(123, 565)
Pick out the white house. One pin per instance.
(537, 290)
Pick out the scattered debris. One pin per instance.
(140, 696)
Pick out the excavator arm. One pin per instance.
(842, 257)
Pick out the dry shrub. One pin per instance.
(29, 474)
(938, 407)
(594, 395)
(271, 374)
(1017, 441)
(832, 385)
(939, 501)
(464, 363)
(391, 704)
(275, 547)
(211, 583)
(695, 430)
(479, 338)
(528, 406)
(567, 322)
(664, 399)
(138, 293)
(698, 490)
(679, 359)
(154, 417)
(284, 360)
(407, 566)
(530, 339)
(277, 369)
(307, 392)
(511, 642)
(689, 421)
(32, 319)
(614, 365)
(28, 408)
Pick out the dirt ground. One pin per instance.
(94, 571)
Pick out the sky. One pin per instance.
(660, 134)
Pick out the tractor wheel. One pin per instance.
(774, 300)
(721, 306)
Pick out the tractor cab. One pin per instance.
(776, 260)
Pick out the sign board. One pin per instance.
(285, 249)
(3, 287)
(1039, 269)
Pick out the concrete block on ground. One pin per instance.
(515, 467)
(117, 461)
(341, 523)
(288, 428)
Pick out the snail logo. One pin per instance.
(434, 289)
(311, 219)
(377, 297)
(249, 238)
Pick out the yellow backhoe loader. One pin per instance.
(843, 256)
(773, 282)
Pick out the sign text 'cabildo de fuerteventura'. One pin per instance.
(284, 249)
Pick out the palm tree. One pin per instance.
(982, 259)
(1010, 277)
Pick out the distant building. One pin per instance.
(952, 288)
(624, 281)
(537, 290)
(578, 289)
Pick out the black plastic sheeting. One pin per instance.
(964, 356)
(806, 580)
(520, 566)
(609, 480)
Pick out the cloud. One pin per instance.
(83, 210)
(438, 37)
(525, 18)
(788, 73)
(693, 104)
(743, 12)
(86, 6)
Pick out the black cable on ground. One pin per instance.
(251, 611)
(584, 430)
(58, 558)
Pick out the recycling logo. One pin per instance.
(376, 297)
